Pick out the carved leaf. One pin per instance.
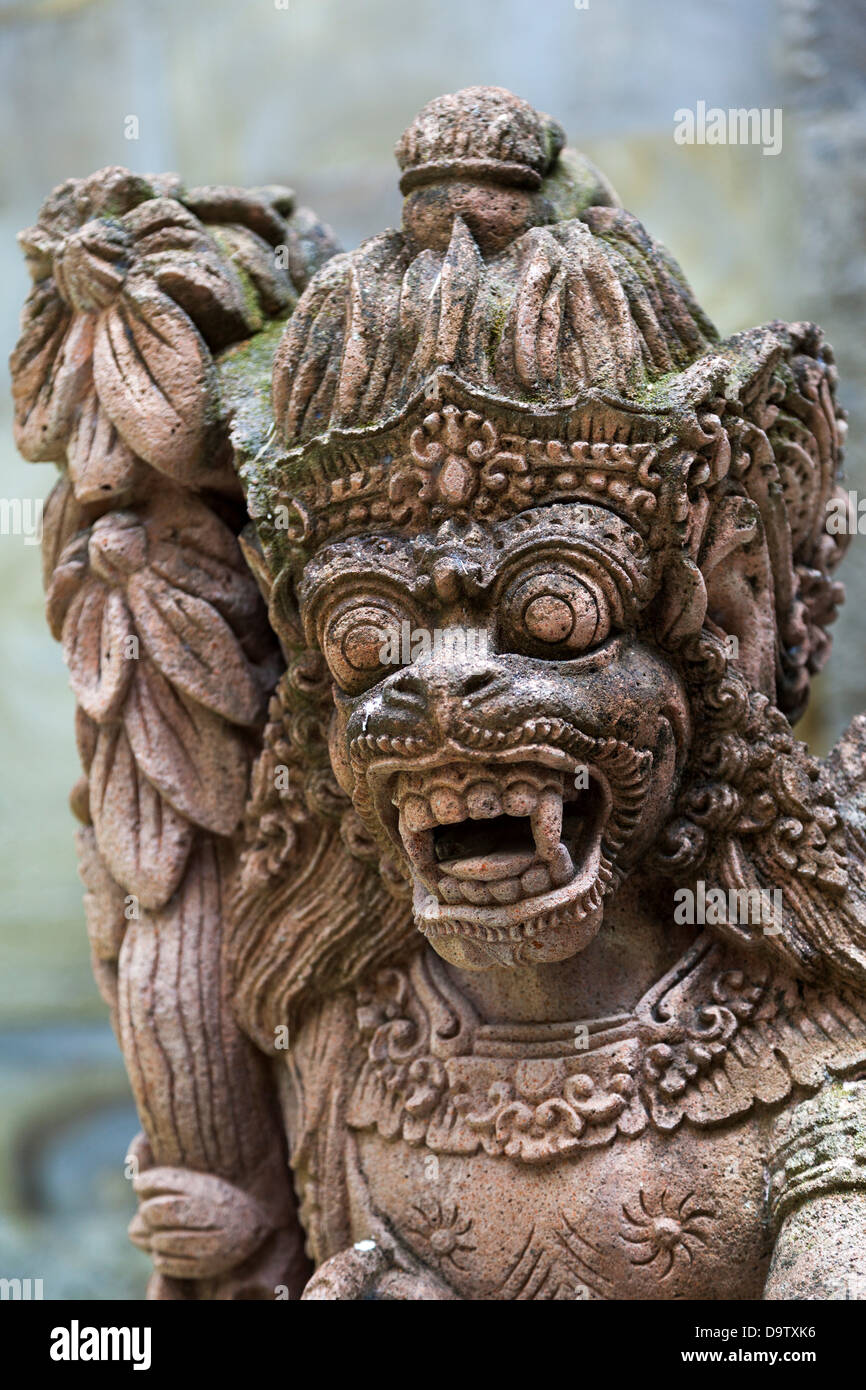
(95, 630)
(103, 899)
(460, 276)
(51, 372)
(61, 519)
(86, 733)
(154, 377)
(197, 761)
(71, 572)
(143, 840)
(262, 210)
(532, 293)
(186, 261)
(211, 293)
(203, 557)
(256, 257)
(195, 648)
(101, 466)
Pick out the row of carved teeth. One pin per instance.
(368, 746)
(536, 878)
(454, 793)
(486, 879)
(571, 912)
(626, 763)
(563, 735)
(448, 795)
(532, 731)
(552, 867)
(626, 768)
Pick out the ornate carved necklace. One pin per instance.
(714, 1036)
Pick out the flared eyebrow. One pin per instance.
(409, 564)
(359, 556)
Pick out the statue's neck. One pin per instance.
(637, 943)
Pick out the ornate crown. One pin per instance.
(456, 452)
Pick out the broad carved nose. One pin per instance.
(430, 684)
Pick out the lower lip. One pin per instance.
(429, 910)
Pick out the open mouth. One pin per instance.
(493, 845)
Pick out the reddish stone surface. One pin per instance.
(437, 614)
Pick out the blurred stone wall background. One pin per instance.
(314, 93)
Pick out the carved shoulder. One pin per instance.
(846, 766)
(817, 1196)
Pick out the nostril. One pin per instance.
(407, 683)
(477, 681)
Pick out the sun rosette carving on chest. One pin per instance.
(662, 1229)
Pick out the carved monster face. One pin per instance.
(502, 725)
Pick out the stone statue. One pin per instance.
(472, 923)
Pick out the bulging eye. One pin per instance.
(556, 612)
(360, 642)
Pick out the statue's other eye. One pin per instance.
(556, 612)
(360, 642)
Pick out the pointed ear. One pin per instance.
(251, 549)
(278, 594)
(681, 606)
(735, 563)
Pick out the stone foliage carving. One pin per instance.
(387, 924)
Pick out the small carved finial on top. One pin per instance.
(479, 133)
